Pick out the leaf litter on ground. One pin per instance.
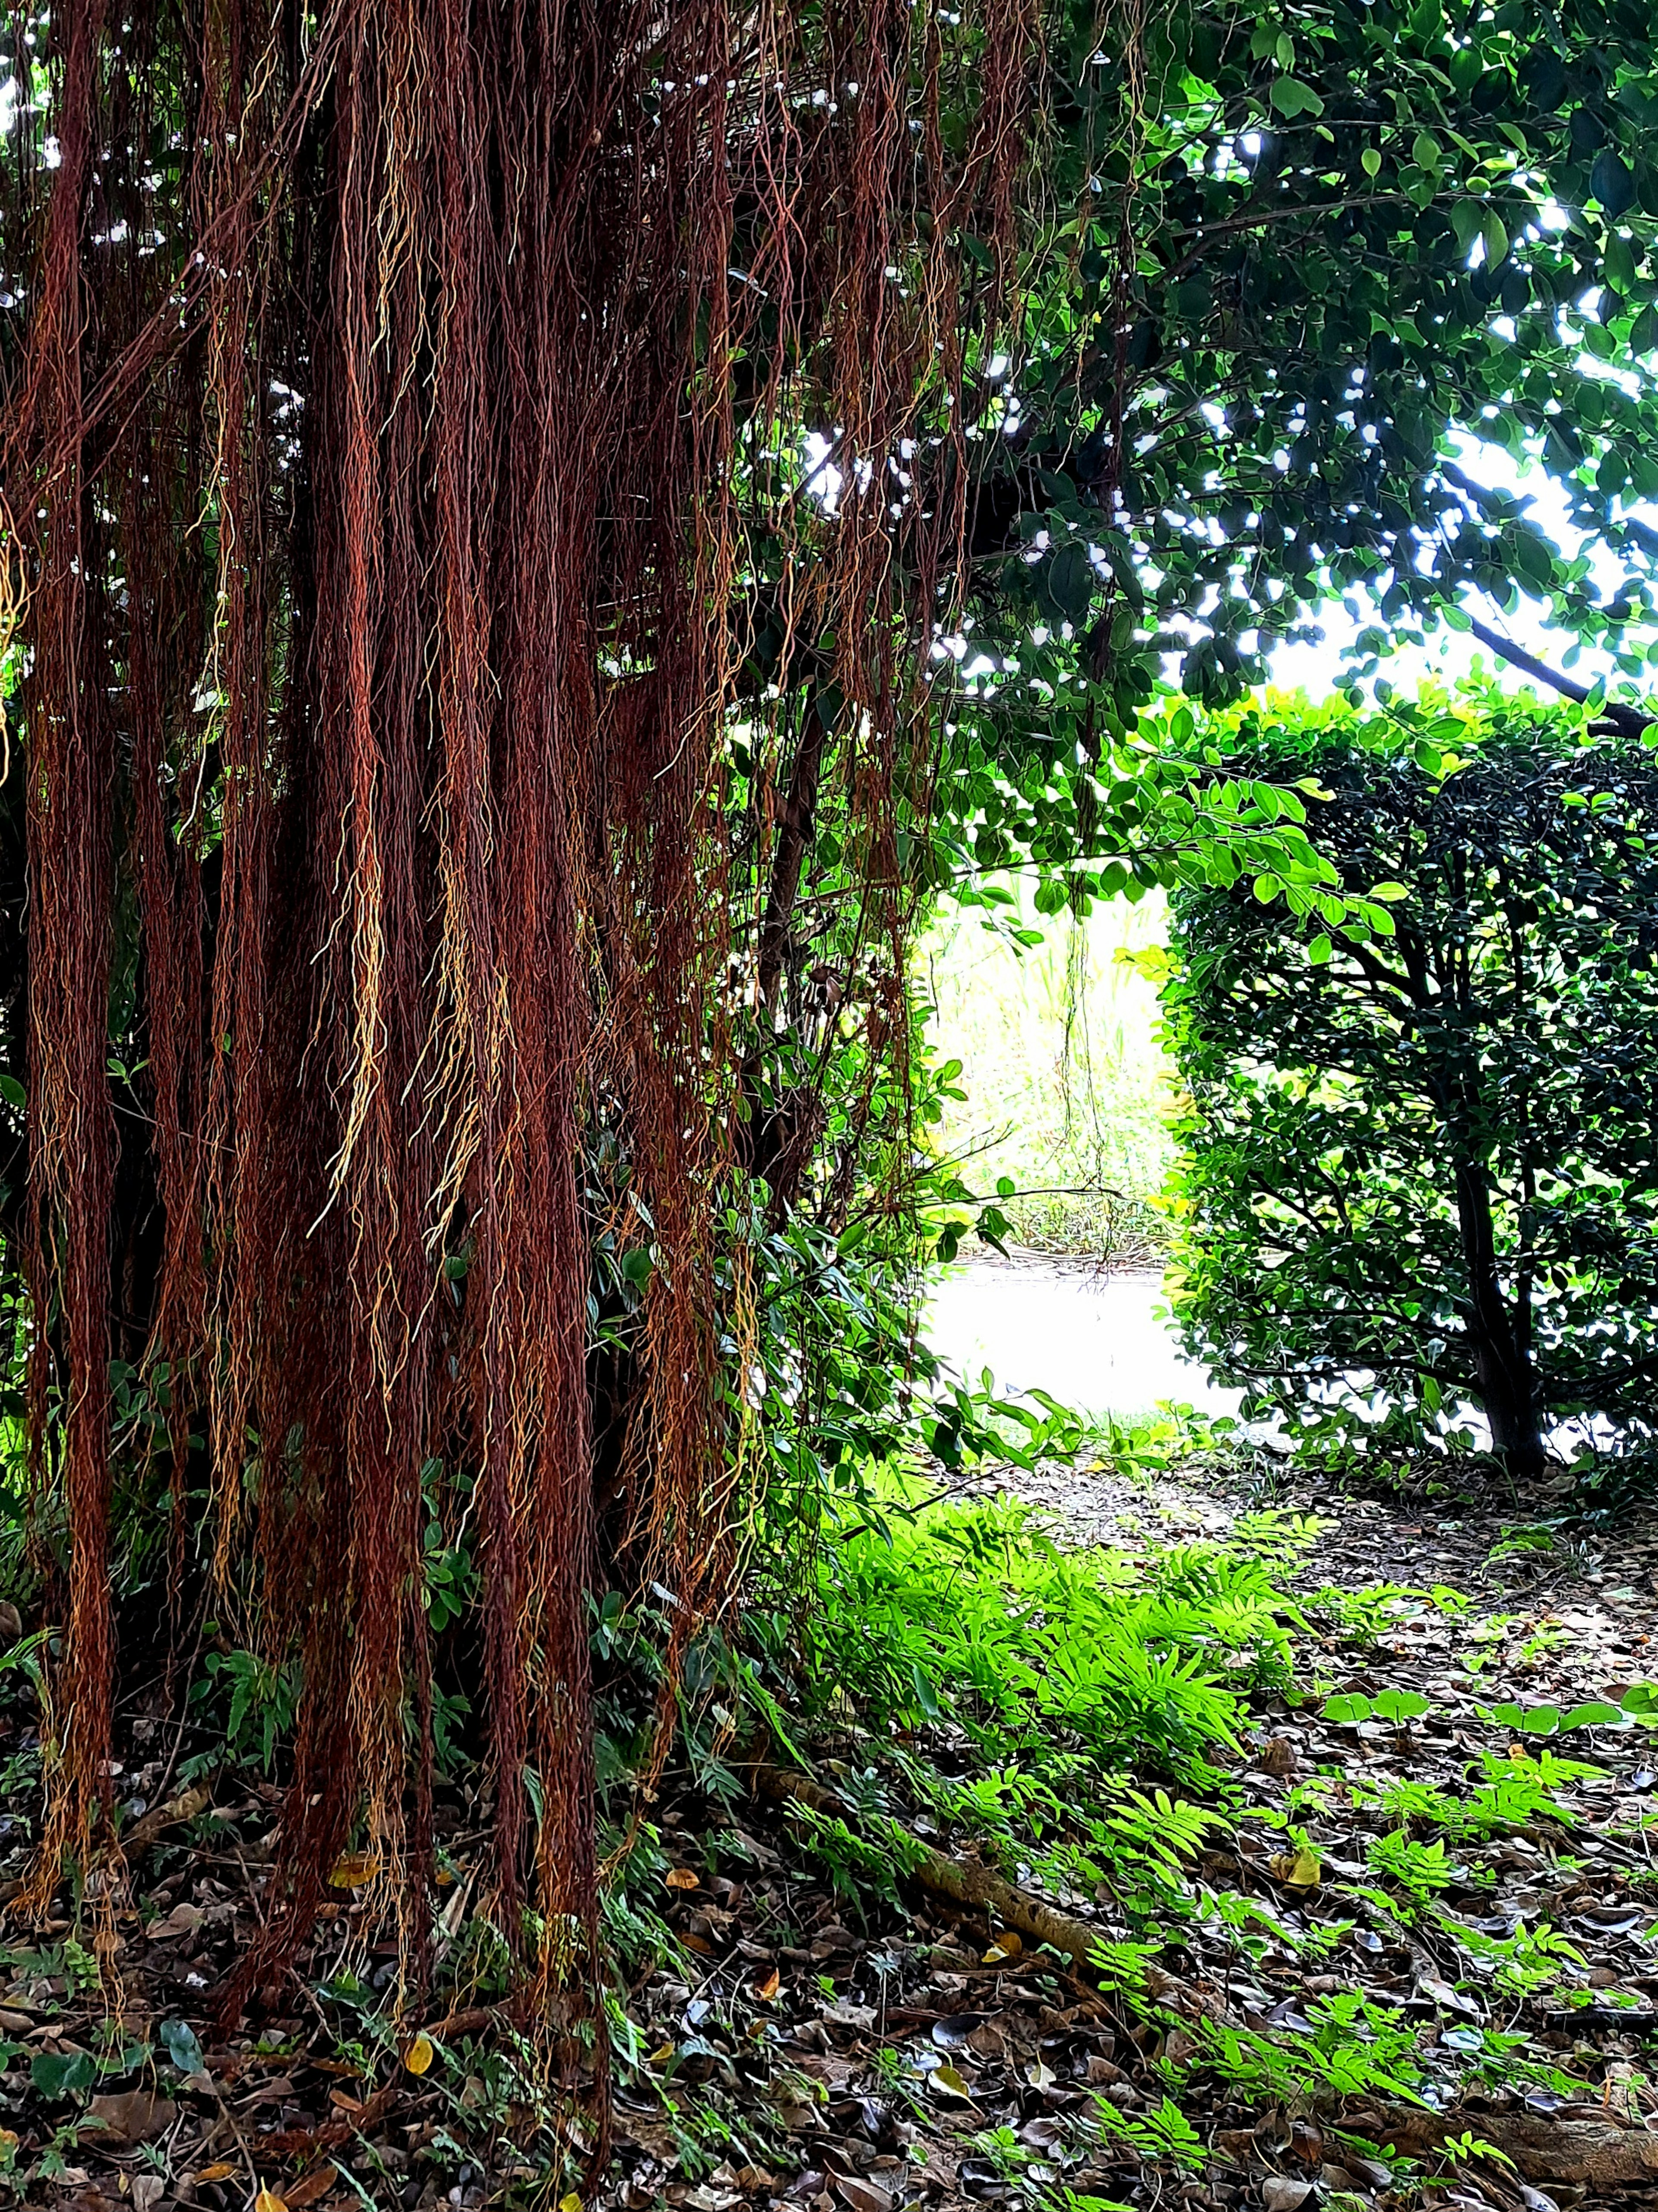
(1379, 1898)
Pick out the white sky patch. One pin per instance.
(1318, 669)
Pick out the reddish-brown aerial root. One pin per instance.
(379, 475)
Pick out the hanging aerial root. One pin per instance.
(368, 459)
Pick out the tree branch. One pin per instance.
(1627, 721)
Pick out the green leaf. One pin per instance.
(1070, 580)
(1541, 1719)
(1400, 1705)
(182, 2048)
(1291, 98)
(1468, 222)
(1391, 892)
(1618, 265)
(1319, 952)
(1347, 1710)
(1613, 183)
(1370, 161)
(1597, 1713)
(13, 1091)
(59, 2074)
(1495, 234)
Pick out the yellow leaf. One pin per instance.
(419, 2056)
(681, 1878)
(220, 2170)
(570, 2203)
(352, 1868)
(946, 2081)
(660, 2057)
(265, 2201)
(1300, 1870)
(767, 1990)
(1006, 1946)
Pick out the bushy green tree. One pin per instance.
(1431, 1158)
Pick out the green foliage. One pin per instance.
(1063, 1091)
(1421, 1157)
(258, 1714)
(971, 1613)
(1357, 232)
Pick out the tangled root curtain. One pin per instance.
(405, 405)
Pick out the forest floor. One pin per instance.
(1370, 1994)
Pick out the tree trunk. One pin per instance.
(1500, 1338)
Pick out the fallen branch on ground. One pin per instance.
(1571, 2151)
(964, 1881)
(1590, 2153)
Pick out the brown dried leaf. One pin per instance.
(318, 2183)
(135, 2116)
(862, 2195)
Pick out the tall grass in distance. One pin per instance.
(1067, 1088)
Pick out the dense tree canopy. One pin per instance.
(1423, 1168)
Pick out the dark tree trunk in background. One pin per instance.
(1500, 1335)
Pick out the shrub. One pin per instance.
(1420, 1158)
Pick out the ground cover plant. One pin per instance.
(1422, 1167)
(1362, 1926)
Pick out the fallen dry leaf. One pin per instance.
(318, 2183)
(135, 2116)
(768, 1989)
(352, 1868)
(182, 1920)
(862, 2195)
(682, 1878)
(1299, 1869)
(417, 2059)
(949, 2082)
(266, 2202)
(1279, 2194)
(220, 2170)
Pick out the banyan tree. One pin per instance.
(421, 419)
